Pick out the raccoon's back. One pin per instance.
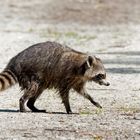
(37, 57)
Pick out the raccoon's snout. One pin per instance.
(100, 79)
(103, 82)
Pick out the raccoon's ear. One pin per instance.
(86, 65)
(89, 61)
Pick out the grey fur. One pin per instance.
(52, 65)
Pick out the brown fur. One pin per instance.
(51, 65)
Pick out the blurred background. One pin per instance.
(93, 23)
(93, 12)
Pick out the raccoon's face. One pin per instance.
(94, 70)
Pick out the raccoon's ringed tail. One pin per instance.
(7, 79)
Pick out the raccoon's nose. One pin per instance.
(107, 84)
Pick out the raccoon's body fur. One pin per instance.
(51, 65)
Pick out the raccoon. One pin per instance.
(50, 65)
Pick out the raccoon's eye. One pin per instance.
(100, 76)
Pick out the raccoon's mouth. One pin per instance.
(98, 79)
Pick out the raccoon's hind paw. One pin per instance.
(39, 111)
(22, 111)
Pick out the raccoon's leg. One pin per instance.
(87, 96)
(28, 93)
(65, 101)
(32, 100)
(21, 103)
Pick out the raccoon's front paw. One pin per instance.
(69, 112)
(98, 105)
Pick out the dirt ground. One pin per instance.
(109, 29)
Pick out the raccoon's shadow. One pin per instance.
(15, 111)
(8, 110)
(62, 113)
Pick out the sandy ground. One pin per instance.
(107, 29)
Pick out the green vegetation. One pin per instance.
(86, 111)
(66, 34)
(129, 109)
(97, 138)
